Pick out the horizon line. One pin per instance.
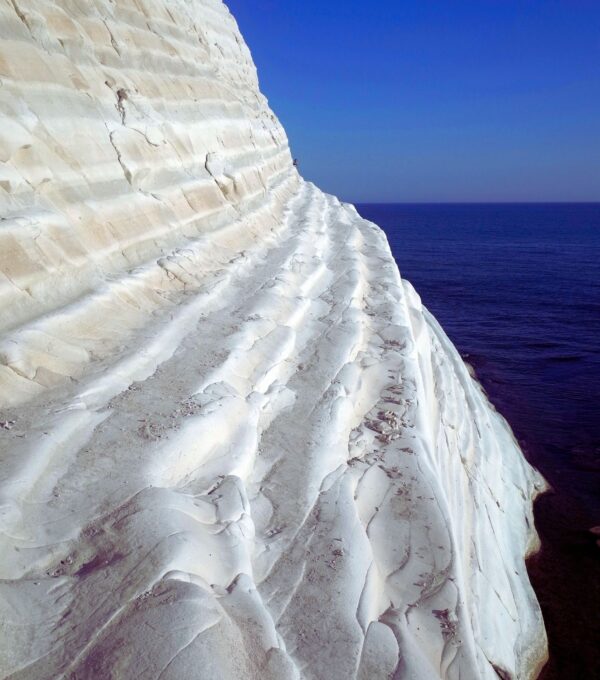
(371, 202)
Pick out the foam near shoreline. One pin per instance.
(236, 443)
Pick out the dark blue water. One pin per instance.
(517, 289)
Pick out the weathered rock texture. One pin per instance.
(234, 444)
(129, 131)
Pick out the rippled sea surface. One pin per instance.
(517, 289)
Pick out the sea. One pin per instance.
(517, 289)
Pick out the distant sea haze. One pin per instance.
(517, 289)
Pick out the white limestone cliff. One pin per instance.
(234, 444)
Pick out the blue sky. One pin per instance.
(425, 101)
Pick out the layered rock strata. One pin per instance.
(234, 443)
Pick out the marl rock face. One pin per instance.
(129, 131)
(234, 444)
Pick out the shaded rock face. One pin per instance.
(127, 130)
(234, 444)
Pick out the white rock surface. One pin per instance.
(234, 444)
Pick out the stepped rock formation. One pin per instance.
(234, 444)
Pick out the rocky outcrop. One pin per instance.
(235, 445)
(130, 134)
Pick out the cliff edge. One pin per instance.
(234, 443)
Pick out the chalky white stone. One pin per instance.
(234, 444)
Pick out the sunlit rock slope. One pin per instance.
(234, 444)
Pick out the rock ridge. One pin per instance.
(234, 443)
